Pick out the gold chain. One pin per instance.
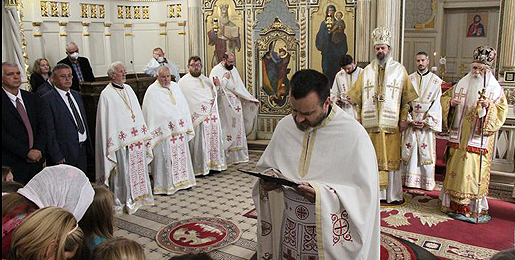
(128, 104)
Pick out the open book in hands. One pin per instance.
(278, 177)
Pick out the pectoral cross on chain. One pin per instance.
(368, 87)
(393, 87)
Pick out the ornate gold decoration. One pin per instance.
(128, 12)
(137, 14)
(425, 208)
(162, 24)
(181, 33)
(85, 24)
(65, 10)
(63, 23)
(102, 11)
(181, 23)
(44, 8)
(128, 34)
(120, 11)
(84, 10)
(145, 12)
(163, 33)
(277, 25)
(250, 75)
(128, 25)
(36, 31)
(93, 9)
(178, 10)
(510, 95)
(429, 23)
(54, 11)
(303, 33)
(171, 11)
(107, 31)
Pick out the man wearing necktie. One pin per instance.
(68, 138)
(23, 131)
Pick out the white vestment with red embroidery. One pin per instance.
(169, 121)
(238, 110)
(343, 81)
(419, 145)
(338, 160)
(206, 147)
(122, 149)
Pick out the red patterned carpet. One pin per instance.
(419, 221)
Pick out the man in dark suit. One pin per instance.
(68, 138)
(23, 132)
(81, 69)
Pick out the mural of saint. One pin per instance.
(225, 35)
(476, 29)
(331, 41)
(275, 74)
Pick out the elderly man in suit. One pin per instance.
(81, 69)
(23, 131)
(68, 139)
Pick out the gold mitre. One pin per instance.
(381, 35)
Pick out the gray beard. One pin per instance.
(224, 20)
(475, 85)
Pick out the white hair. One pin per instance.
(113, 66)
(71, 44)
(161, 68)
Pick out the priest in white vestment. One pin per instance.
(238, 110)
(334, 212)
(123, 144)
(158, 60)
(342, 82)
(169, 121)
(206, 149)
(382, 93)
(424, 121)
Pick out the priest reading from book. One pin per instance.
(473, 111)
(334, 211)
(168, 120)
(123, 144)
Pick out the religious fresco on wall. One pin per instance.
(332, 34)
(276, 72)
(224, 27)
(278, 60)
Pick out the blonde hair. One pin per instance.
(42, 229)
(37, 63)
(119, 249)
(99, 218)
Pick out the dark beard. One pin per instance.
(195, 74)
(305, 125)
(229, 67)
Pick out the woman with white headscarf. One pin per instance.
(61, 186)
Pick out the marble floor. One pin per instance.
(225, 195)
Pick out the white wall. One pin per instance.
(100, 49)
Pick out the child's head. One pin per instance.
(49, 233)
(119, 249)
(339, 15)
(282, 51)
(99, 218)
(7, 175)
